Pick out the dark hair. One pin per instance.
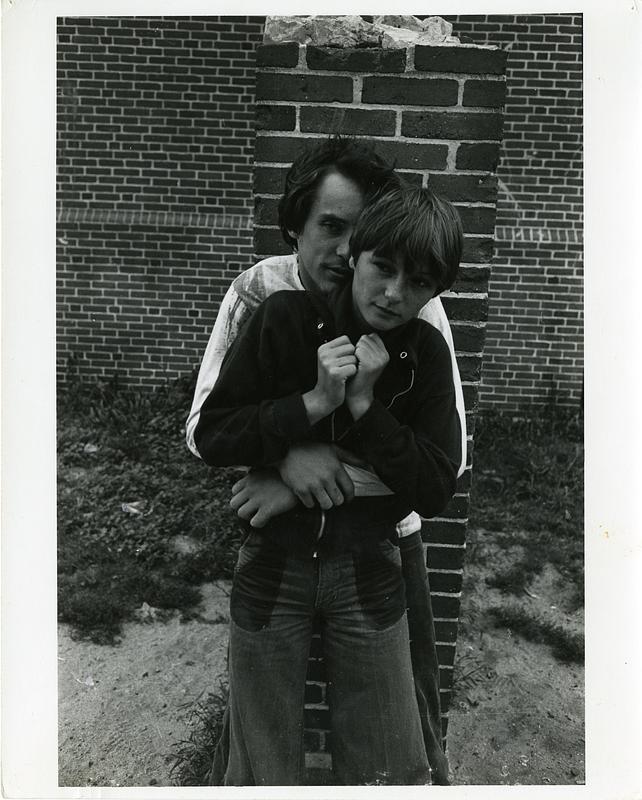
(352, 158)
(418, 225)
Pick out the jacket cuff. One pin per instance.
(373, 428)
(291, 418)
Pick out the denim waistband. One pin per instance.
(305, 531)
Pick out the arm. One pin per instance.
(259, 407)
(238, 423)
(416, 458)
(232, 313)
(433, 312)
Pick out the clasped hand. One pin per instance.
(346, 372)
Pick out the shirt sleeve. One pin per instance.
(433, 312)
(242, 420)
(232, 313)
(417, 459)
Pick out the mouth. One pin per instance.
(338, 271)
(386, 312)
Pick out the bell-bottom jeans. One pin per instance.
(359, 599)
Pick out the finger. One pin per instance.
(260, 519)
(247, 510)
(346, 485)
(323, 498)
(343, 373)
(239, 485)
(237, 501)
(306, 498)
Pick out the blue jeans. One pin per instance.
(359, 599)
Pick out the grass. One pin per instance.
(193, 756)
(140, 520)
(528, 495)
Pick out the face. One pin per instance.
(323, 244)
(384, 295)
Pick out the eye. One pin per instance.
(422, 283)
(384, 267)
(333, 226)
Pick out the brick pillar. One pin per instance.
(436, 113)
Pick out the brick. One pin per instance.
(278, 55)
(281, 148)
(477, 219)
(269, 180)
(482, 156)
(446, 655)
(300, 88)
(266, 211)
(469, 368)
(445, 581)
(347, 121)
(410, 91)
(440, 125)
(268, 242)
(477, 250)
(488, 94)
(465, 188)
(413, 155)
(355, 59)
(447, 607)
(468, 338)
(457, 508)
(275, 118)
(446, 631)
(472, 60)
(445, 558)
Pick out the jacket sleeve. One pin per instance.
(433, 312)
(418, 459)
(242, 421)
(228, 321)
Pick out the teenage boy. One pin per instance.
(326, 189)
(357, 367)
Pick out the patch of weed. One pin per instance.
(127, 490)
(193, 756)
(566, 645)
(529, 477)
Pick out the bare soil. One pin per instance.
(516, 715)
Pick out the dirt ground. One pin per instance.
(517, 717)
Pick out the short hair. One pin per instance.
(416, 224)
(353, 158)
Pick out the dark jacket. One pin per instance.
(410, 434)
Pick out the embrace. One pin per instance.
(331, 374)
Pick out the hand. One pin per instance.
(372, 358)
(314, 473)
(261, 495)
(336, 363)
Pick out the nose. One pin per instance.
(343, 245)
(394, 289)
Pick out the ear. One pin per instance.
(351, 263)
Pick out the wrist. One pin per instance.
(359, 404)
(316, 405)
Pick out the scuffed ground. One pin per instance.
(516, 717)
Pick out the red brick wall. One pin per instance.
(534, 339)
(435, 111)
(155, 124)
(154, 151)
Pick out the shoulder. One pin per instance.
(427, 340)
(433, 312)
(270, 275)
